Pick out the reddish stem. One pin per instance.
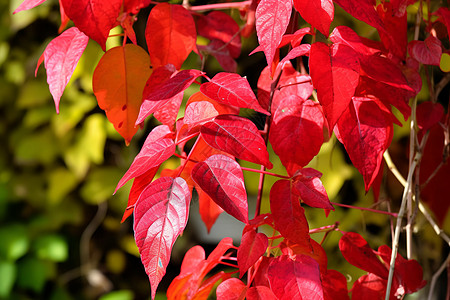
(265, 172)
(187, 158)
(188, 138)
(395, 215)
(325, 228)
(228, 264)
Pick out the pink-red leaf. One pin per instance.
(427, 52)
(363, 10)
(370, 286)
(308, 186)
(156, 149)
(222, 179)
(237, 136)
(408, 272)
(156, 96)
(260, 293)
(289, 217)
(199, 112)
(118, 82)
(358, 252)
(295, 279)
(168, 112)
(345, 35)
(366, 130)
(335, 74)
(318, 13)
(93, 17)
(231, 289)
(61, 57)
(220, 26)
(160, 216)
(428, 114)
(28, 4)
(209, 210)
(272, 19)
(296, 132)
(139, 184)
(334, 286)
(231, 89)
(253, 246)
(217, 49)
(170, 35)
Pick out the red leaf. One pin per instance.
(231, 289)
(93, 17)
(218, 25)
(197, 113)
(444, 13)
(366, 131)
(221, 178)
(295, 279)
(160, 216)
(217, 49)
(383, 70)
(189, 284)
(437, 188)
(156, 149)
(156, 96)
(408, 272)
(253, 246)
(170, 35)
(428, 114)
(335, 286)
(308, 186)
(394, 34)
(272, 19)
(318, 13)
(28, 4)
(168, 112)
(209, 210)
(61, 57)
(358, 252)
(260, 293)
(313, 250)
(231, 89)
(139, 184)
(291, 82)
(363, 10)
(298, 51)
(427, 52)
(370, 286)
(345, 35)
(118, 82)
(335, 75)
(296, 132)
(289, 217)
(237, 136)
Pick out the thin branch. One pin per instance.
(265, 172)
(367, 209)
(436, 276)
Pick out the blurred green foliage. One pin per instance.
(60, 231)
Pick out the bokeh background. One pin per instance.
(60, 230)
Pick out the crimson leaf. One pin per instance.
(237, 136)
(253, 246)
(156, 149)
(335, 74)
(231, 89)
(221, 178)
(160, 216)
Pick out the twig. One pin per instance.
(436, 276)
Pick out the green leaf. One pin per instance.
(61, 182)
(8, 273)
(14, 241)
(32, 274)
(445, 62)
(51, 247)
(100, 184)
(118, 295)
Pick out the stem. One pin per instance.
(187, 158)
(368, 209)
(327, 228)
(265, 172)
(436, 276)
(187, 138)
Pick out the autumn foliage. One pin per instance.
(321, 79)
